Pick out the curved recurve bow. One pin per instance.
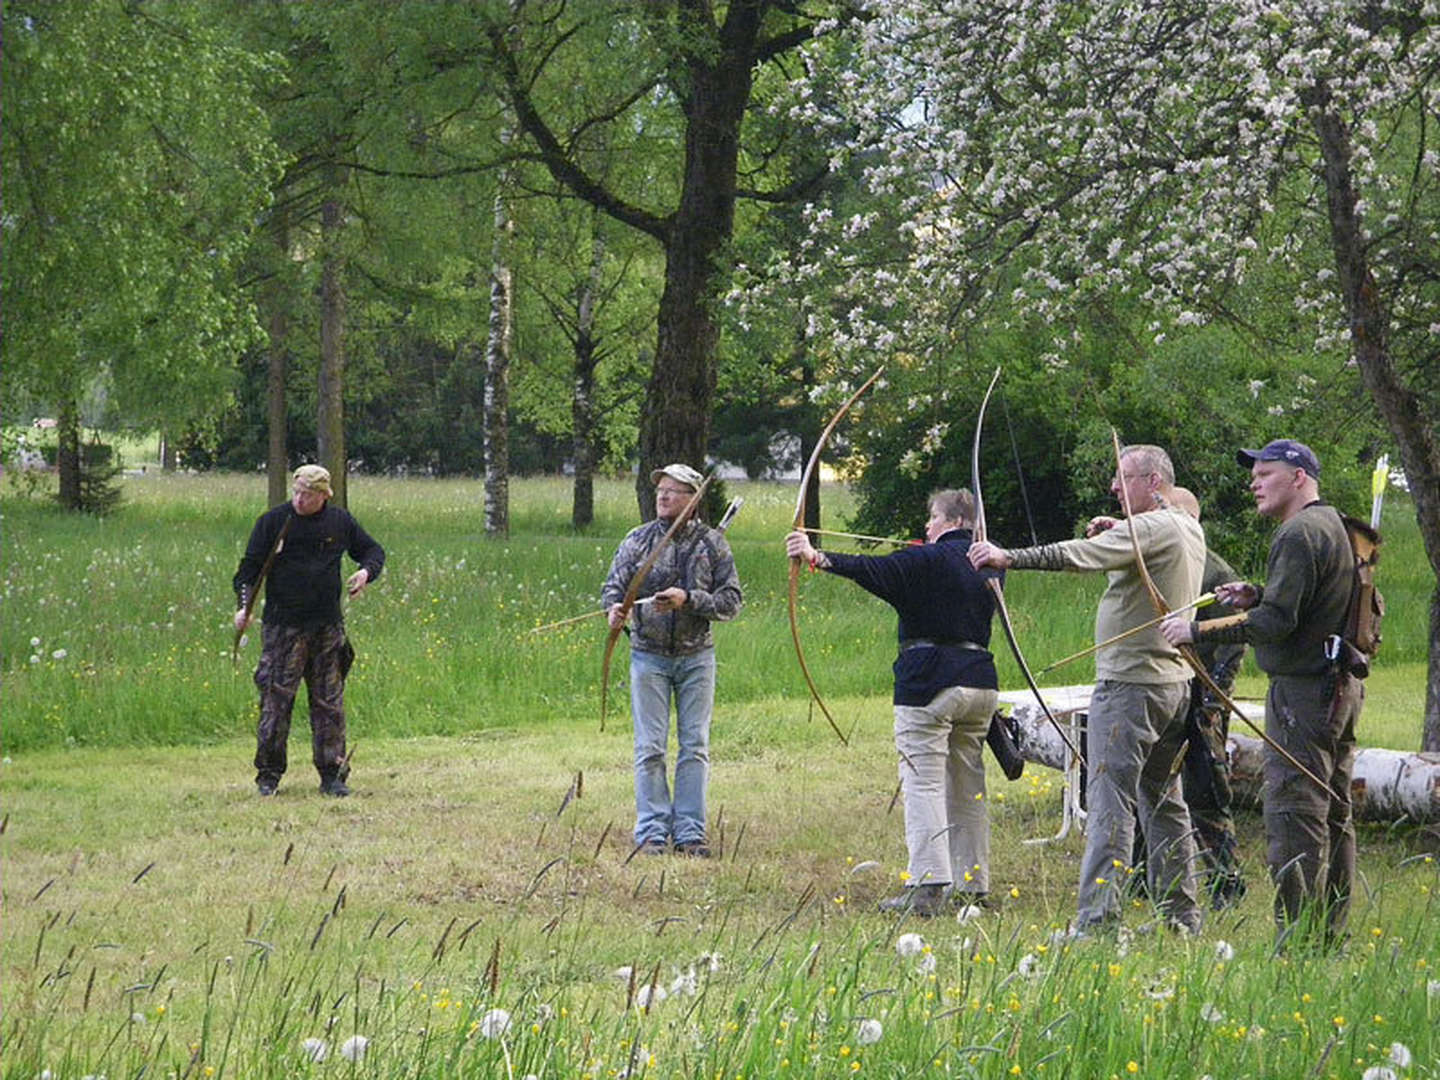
(633, 591)
(255, 589)
(1162, 607)
(799, 523)
(993, 583)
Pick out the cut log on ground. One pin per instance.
(1388, 785)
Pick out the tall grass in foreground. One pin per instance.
(450, 919)
(117, 631)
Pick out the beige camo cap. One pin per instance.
(314, 478)
(683, 473)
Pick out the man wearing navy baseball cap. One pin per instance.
(1313, 702)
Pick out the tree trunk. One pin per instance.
(582, 401)
(167, 454)
(675, 419)
(330, 418)
(67, 456)
(1369, 320)
(497, 375)
(277, 457)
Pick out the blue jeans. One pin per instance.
(654, 679)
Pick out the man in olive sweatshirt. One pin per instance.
(1313, 703)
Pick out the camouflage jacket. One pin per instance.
(699, 561)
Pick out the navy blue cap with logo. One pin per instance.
(1286, 450)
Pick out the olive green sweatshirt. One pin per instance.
(1305, 598)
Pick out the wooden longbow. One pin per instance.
(799, 523)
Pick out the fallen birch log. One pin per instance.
(1387, 785)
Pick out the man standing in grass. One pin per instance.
(945, 692)
(1136, 726)
(1314, 701)
(672, 654)
(303, 634)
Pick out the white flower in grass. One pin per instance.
(1400, 1055)
(34, 658)
(868, 1032)
(59, 654)
(137, 1018)
(1432, 988)
(544, 1013)
(1210, 1014)
(314, 1049)
(494, 1023)
(623, 973)
(1029, 966)
(649, 995)
(34, 642)
(1378, 1072)
(44, 1074)
(711, 960)
(687, 982)
(353, 1048)
(909, 945)
(926, 964)
(1224, 951)
(969, 913)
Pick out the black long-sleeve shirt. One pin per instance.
(940, 599)
(303, 588)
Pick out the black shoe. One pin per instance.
(1226, 890)
(696, 849)
(924, 901)
(266, 785)
(334, 787)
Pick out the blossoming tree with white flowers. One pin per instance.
(1036, 156)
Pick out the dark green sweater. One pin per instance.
(1308, 576)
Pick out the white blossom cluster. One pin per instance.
(1052, 151)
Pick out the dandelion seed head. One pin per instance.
(353, 1048)
(1378, 1072)
(494, 1023)
(969, 913)
(35, 644)
(313, 1049)
(909, 944)
(869, 1032)
(926, 964)
(1029, 965)
(1224, 951)
(137, 1018)
(1400, 1055)
(59, 654)
(1210, 1014)
(648, 995)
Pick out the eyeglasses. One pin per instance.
(678, 492)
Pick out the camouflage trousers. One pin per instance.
(1205, 775)
(322, 657)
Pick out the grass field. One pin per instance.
(160, 920)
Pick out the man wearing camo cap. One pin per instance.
(303, 636)
(672, 655)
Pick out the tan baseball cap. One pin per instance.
(683, 473)
(314, 478)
